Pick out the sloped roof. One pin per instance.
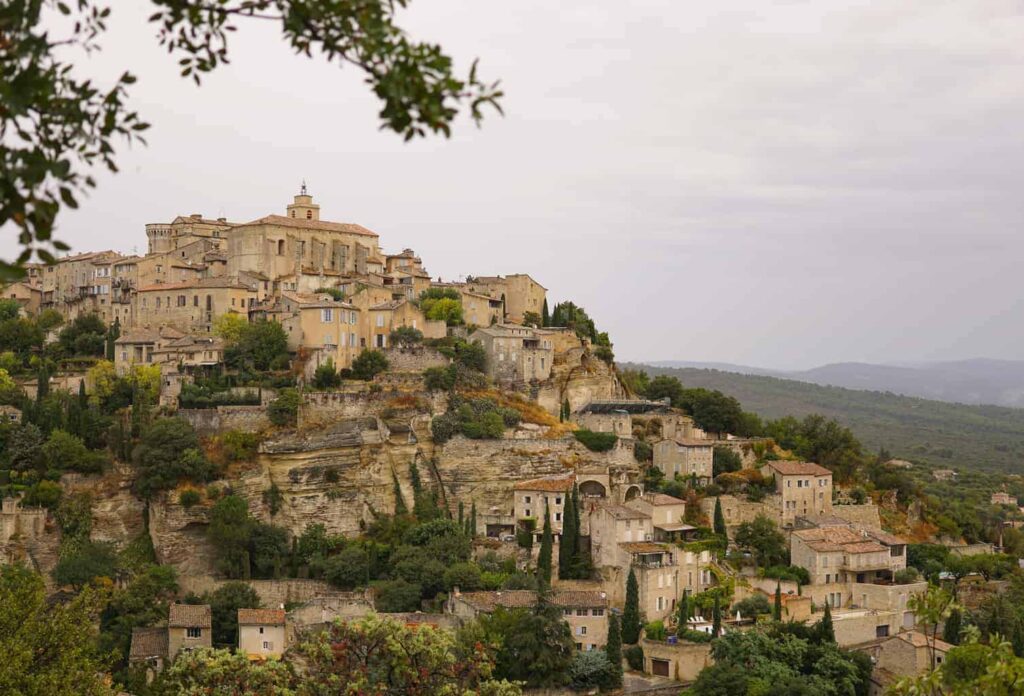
(621, 512)
(302, 224)
(644, 547)
(662, 499)
(554, 484)
(261, 617)
(798, 468)
(186, 615)
(842, 539)
(148, 642)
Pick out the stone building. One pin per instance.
(518, 292)
(515, 353)
(1003, 498)
(189, 626)
(586, 611)
(317, 324)
(191, 306)
(19, 522)
(479, 309)
(136, 346)
(839, 554)
(29, 297)
(532, 498)
(261, 633)
(685, 458)
(666, 515)
(907, 654)
(149, 649)
(805, 489)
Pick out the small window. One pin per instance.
(326, 316)
(526, 499)
(194, 632)
(268, 645)
(280, 244)
(597, 612)
(309, 214)
(581, 612)
(261, 630)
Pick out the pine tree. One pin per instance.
(613, 649)
(631, 611)
(544, 557)
(719, 518)
(951, 630)
(716, 618)
(545, 316)
(777, 608)
(472, 520)
(567, 546)
(826, 631)
(400, 507)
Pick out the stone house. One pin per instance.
(907, 654)
(30, 297)
(137, 346)
(189, 626)
(586, 611)
(518, 292)
(1003, 498)
(192, 305)
(805, 489)
(618, 422)
(847, 554)
(9, 414)
(261, 632)
(859, 626)
(317, 324)
(479, 309)
(532, 498)
(515, 353)
(680, 660)
(685, 458)
(666, 513)
(19, 522)
(164, 237)
(191, 352)
(149, 648)
(612, 524)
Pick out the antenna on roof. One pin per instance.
(302, 191)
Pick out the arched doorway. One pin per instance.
(593, 489)
(633, 492)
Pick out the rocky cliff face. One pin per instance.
(580, 381)
(117, 515)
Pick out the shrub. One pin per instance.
(325, 376)
(336, 294)
(906, 576)
(634, 655)
(43, 494)
(239, 446)
(284, 410)
(655, 630)
(692, 636)
(397, 596)
(189, 497)
(405, 336)
(439, 378)
(753, 605)
(369, 364)
(347, 570)
(794, 573)
(168, 451)
(643, 452)
(84, 562)
(488, 426)
(590, 669)
(596, 442)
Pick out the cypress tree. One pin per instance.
(545, 316)
(631, 612)
(462, 512)
(826, 631)
(83, 399)
(716, 618)
(567, 547)
(1018, 639)
(951, 629)
(566, 409)
(113, 333)
(472, 520)
(719, 518)
(544, 557)
(613, 648)
(400, 507)
(777, 608)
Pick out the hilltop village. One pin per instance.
(265, 431)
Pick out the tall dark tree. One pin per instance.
(544, 557)
(954, 624)
(113, 333)
(719, 518)
(472, 520)
(777, 607)
(462, 514)
(716, 618)
(613, 649)
(631, 611)
(826, 630)
(400, 506)
(567, 545)
(545, 317)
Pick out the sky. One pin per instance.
(782, 184)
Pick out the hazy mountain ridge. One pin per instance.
(975, 381)
(940, 433)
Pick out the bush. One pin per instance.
(596, 442)
(168, 452)
(239, 446)
(591, 670)
(397, 596)
(325, 376)
(906, 576)
(348, 569)
(84, 562)
(753, 605)
(655, 630)
(794, 573)
(634, 655)
(405, 336)
(691, 636)
(284, 410)
(336, 294)
(439, 378)
(189, 497)
(465, 576)
(643, 452)
(260, 346)
(43, 494)
(369, 364)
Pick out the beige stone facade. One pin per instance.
(479, 309)
(520, 292)
(261, 633)
(681, 661)
(685, 458)
(532, 498)
(515, 353)
(30, 297)
(666, 515)
(805, 489)
(841, 553)
(191, 306)
(189, 626)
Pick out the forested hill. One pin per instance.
(934, 432)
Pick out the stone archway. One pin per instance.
(593, 489)
(633, 492)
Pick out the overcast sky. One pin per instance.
(773, 183)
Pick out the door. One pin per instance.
(659, 668)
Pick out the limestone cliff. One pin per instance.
(580, 378)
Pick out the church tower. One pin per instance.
(303, 208)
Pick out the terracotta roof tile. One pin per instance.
(552, 484)
(148, 642)
(261, 617)
(786, 468)
(298, 223)
(186, 615)
(644, 547)
(621, 512)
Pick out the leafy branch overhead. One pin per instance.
(55, 127)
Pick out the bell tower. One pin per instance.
(303, 207)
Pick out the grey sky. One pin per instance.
(773, 183)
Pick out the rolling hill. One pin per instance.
(942, 434)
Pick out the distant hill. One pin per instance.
(975, 381)
(935, 432)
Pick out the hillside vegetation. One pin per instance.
(933, 432)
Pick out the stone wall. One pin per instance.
(863, 515)
(324, 407)
(211, 421)
(414, 359)
(685, 659)
(273, 593)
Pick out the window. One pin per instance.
(558, 517)
(182, 300)
(352, 318)
(597, 612)
(261, 629)
(157, 303)
(380, 320)
(567, 612)
(800, 483)
(280, 246)
(527, 511)
(195, 300)
(268, 645)
(558, 501)
(326, 316)
(581, 630)
(789, 484)
(194, 632)
(581, 612)
(526, 499)
(882, 631)
(661, 603)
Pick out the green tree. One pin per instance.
(230, 531)
(405, 337)
(369, 364)
(85, 335)
(168, 452)
(719, 523)
(261, 346)
(826, 629)
(25, 449)
(716, 618)
(777, 606)
(400, 506)
(662, 386)
(613, 649)
(931, 608)
(544, 556)
(763, 540)
(725, 460)
(225, 673)
(143, 602)
(631, 611)
(268, 549)
(284, 410)
(533, 646)
(64, 451)
(392, 596)
(113, 333)
(952, 627)
(48, 649)
(545, 316)
(442, 309)
(224, 603)
(84, 562)
(347, 570)
(325, 376)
